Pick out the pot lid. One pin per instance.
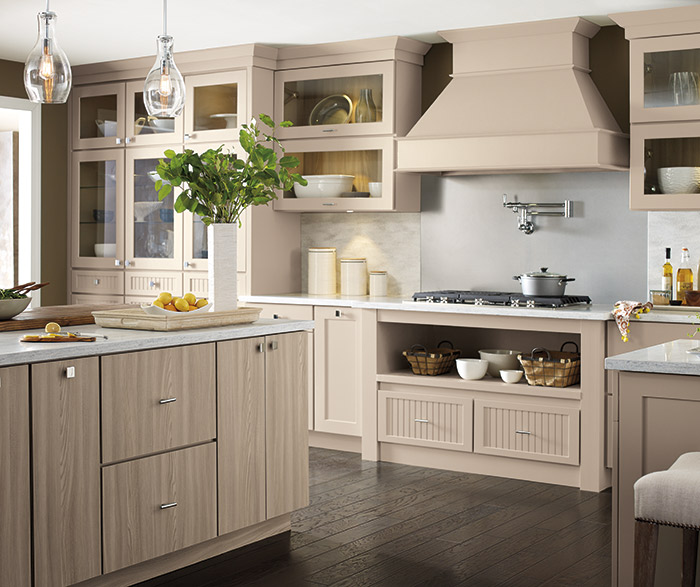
(544, 274)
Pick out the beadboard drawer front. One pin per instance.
(157, 400)
(527, 431)
(151, 283)
(98, 282)
(159, 504)
(425, 420)
(196, 282)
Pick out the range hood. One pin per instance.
(521, 100)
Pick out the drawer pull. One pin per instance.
(167, 400)
(97, 282)
(165, 506)
(70, 372)
(260, 347)
(275, 316)
(338, 313)
(421, 420)
(273, 345)
(527, 432)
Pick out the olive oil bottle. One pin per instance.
(667, 278)
(684, 275)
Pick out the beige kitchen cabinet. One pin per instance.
(15, 492)
(158, 504)
(665, 120)
(157, 400)
(337, 379)
(262, 419)
(65, 400)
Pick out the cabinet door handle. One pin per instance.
(329, 130)
(329, 203)
(70, 372)
(117, 263)
(127, 263)
(118, 141)
(421, 420)
(260, 347)
(273, 345)
(97, 282)
(275, 316)
(338, 313)
(186, 264)
(167, 400)
(526, 432)
(165, 506)
(152, 283)
(127, 140)
(188, 136)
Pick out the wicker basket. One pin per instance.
(552, 368)
(432, 361)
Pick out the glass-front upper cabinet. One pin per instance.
(98, 116)
(216, 106)
(142, 129)
(97, 219)
(341, 100)
(153, 232)
(665, 79)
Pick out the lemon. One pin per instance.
(52, 327)
(165, 297)
(181, 305)
(201, 303)
(158, 303)
(190, 298)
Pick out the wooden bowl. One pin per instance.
(692, 298)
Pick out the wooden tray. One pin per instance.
(74, 315)
(137, 319)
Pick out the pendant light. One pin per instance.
(47, 74)
(164, 90)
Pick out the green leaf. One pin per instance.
(170, 154)
(267, 120)
(286, 123)
(164, 191)
(289, 161)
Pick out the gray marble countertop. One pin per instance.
(590, 312)
(670, 357)
(14, 352)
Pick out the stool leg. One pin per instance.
(690, 554)
(645, 538)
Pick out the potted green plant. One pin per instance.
(218, 186)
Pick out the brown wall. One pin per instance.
(609, 62)
(54, 190)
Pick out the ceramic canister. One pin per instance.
(353, 277)
(377, 284)
(322, 279)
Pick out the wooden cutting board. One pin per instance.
(63, 315)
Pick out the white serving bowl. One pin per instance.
(10, 308)
(162, 124)
(105, 249)
(499, 359)
(679, 180)
(471, 368)
(324, 186)
(511, 375)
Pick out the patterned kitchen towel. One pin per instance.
(622, 312)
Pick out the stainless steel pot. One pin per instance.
(543, 283)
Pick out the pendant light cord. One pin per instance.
(165, 17)
(47, 5)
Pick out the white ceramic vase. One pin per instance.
(222, 266)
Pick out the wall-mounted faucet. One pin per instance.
(525, 211)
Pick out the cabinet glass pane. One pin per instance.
(154, 228)
(343, 100)
(215, 107)
(98, 209)
(671, 78)
(98, 116)
(199, 239)
(672, 166)
(363, 166)
(143, 124)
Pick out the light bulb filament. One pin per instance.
(46, 68)
(166, 87)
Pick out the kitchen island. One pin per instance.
(656, 407)
(138, 454)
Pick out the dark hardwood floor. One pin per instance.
(386, 524)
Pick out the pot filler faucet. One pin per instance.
(525, 211)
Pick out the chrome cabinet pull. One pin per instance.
(338, 313)
(329, 130)
(273, 345)
(70, 372)
(526, 432)
(189, 136)
(329, 203)
(128, 263)
(421, 420)
(165, 506)
(260, 347)
(97, 282)
(186, 264)
(117, 263)
(118, 141)
(152, 283)
(127, 140)
(167, 400)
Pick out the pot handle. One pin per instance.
(566, 279)
(516, 277)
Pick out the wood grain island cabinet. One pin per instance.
(147, 461)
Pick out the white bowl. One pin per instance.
(679, 180)
(105, 249)
(471, 368)
(10, 308)
(499, 359)
(324, 186)
(162, 124)
(156, 311)
(230, 119)
(511, 375)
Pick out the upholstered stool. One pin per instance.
(670, 498)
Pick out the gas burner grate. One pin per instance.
(498, 298)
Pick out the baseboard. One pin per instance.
(335, 441)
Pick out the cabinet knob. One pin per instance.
(273, 345)
(165, 506)
(152, 283)
(117, 263)
(167, 400)
(188, 136)
(70, 372)
(275, 316)
(127, 140)
(260, 347)
(421, 420)
(338, 313)
(526, 432)
(127, 263)
(186, 264)
(119, 141)
(97, 282)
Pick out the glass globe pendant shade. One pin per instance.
(47, 73)
(164, 89)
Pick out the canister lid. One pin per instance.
(377, 272)
(355, 260)
(321, 249)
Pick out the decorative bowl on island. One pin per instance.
(10, 308)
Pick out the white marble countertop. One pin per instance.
(590, 312)
(670, 357)
(14, 352)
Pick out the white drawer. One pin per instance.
(527, 431)
(425, 419)
(97, 282)
(95, 299)
(151, 283)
